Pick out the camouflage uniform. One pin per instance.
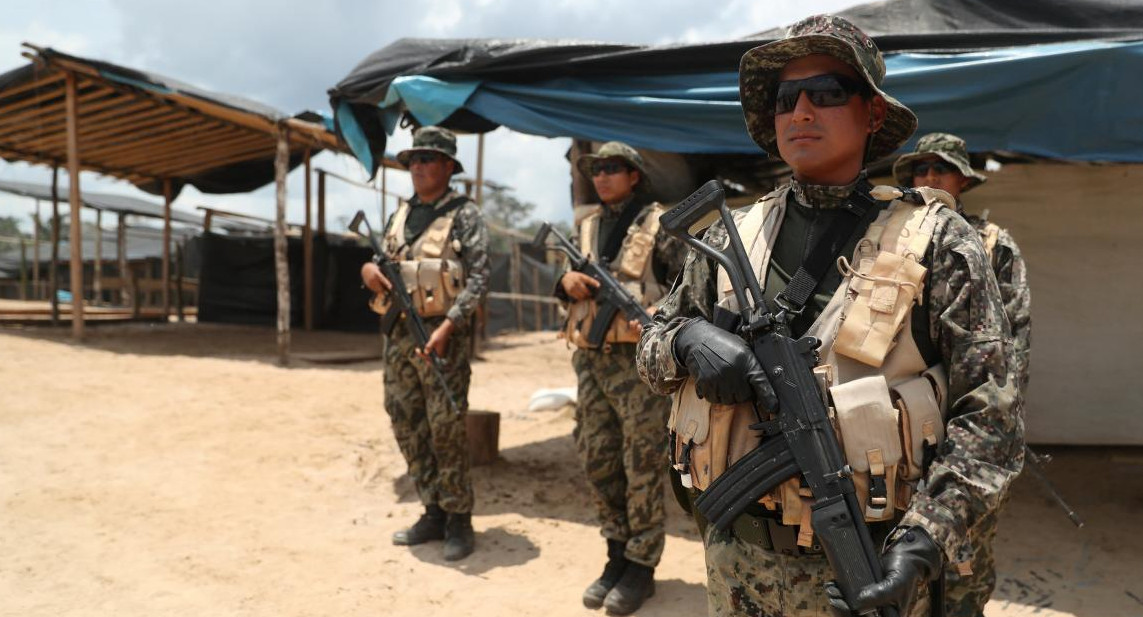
(966, 326)
(619, 421)
(967, 594)
(431, 437)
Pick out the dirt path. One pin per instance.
(178, 471)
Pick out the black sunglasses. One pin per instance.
(941, 167)
(608, 167)
(827, 90)
(424, 158)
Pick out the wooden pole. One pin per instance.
(281, 266)
(514, 272)
(321, 202)
(75, 235)
(37, 293)
(308, 258)
(536, 304)
(121, 257)
(480, 169)
(54, 271)
(179, 280)
(166, 277)
(97, 279)
(384, 194)
(23, 268)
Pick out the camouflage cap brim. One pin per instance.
(903, 168)
(758, 79)
(403, 157)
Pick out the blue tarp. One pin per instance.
(1075, 101)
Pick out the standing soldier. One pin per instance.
(441, 242)
(941, 162)
(914, 342)
(618, 420)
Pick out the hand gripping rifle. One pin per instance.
(802, 439)
(402, 304)
(610, 298)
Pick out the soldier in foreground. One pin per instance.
(618, 420)
(442, 243)
(941, 161)
(915, 363)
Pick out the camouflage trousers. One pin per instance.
(748, 580)
(967, 595)
(431, 437)
(621, 436)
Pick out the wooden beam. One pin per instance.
(281, 265)
(54, 272)
(165, 143)
(37, 292)
(121, 257)
(49, 158)
(52, 133)
(308, 253)
(168, 197)
(75, 237)
(35, 84)
(321, 202)
(480, 170)
(57, 111)
(208, 156)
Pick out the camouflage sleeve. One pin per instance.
(1012, 276)
(693, 295)
(983, 451)
(671, 253)
(469, 228)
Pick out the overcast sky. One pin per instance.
(288, 53)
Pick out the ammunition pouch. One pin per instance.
(433, 284)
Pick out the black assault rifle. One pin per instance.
(610, 298)
(401, 304)
(801, 440)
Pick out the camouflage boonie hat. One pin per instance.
(820, 34)
(949, 147)
(432, 139)
(611, 150)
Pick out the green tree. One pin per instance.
(10, 227)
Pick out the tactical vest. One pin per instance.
(632, 267)
(430, 266)
(886, 405)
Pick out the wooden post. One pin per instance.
(514, 273)
(23, 268)
(121, 257)
(97, 274)
(384, 194)
(483, 428)
(37, 292)
(581, 188)
(321, 202)
(281, 265)
(537, 305)
(179, 280)
(480, 169)
(54, 272)
(75, 235)
(308, 255)
(166, 277)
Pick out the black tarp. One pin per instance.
(897, 25)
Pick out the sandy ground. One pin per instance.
(177, 470)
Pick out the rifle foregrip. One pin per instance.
(854, 566)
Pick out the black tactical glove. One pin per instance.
(914, 558)
(723, 367)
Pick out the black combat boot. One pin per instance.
(431, 526)
(616, 563)
(460, 539)
(636, 585)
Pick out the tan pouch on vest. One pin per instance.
(872, 442)
(580, 317)
(381, 303)
(884, 294)
(436, 237)
(637, 249)
(690, 418)
(921, 421)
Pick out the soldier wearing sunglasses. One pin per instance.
(619, 421)
(441, 241)
(913, 356)
(941, 161)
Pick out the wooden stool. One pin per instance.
(483, 436)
